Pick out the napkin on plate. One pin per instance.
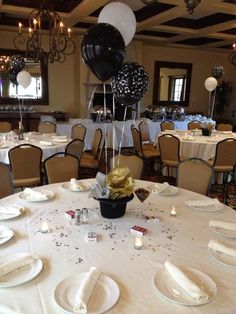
(17, 263)
(47, 143)
(34, 195)
(160, 188)
(12, 210)
(223, 225)
(202, 203)
(86, 289)
(59, 137)
(5, 232)
(222, 248)
(75, 185)
(196, 293)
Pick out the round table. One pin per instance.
(182, 239)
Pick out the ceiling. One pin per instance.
(212, 26)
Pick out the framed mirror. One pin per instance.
(172, 81)
(35, 94)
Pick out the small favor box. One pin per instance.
(91, 237)
(70, 214)
(137, 230)
(151, 219)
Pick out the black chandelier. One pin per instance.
(47, 39)
(232, 55)
(191, 5)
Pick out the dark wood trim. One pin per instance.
(157, 83)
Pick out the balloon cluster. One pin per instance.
(16, 75)
(103, 51)
(211, 82)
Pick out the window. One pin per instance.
(177, 88)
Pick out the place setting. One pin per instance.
(163, 189)
(205, 205)
(36, 195)
(223, 252)
(77, 185)
(224, 228)
(5, 234)
(11, 211)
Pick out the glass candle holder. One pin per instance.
(44, 227)
(138, 242)
(173, 211)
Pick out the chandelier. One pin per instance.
(4, 61)
(232, 55)
(47, 39)
(191, 5)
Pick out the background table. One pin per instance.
(182, 239)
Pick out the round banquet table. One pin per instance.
(182, 239)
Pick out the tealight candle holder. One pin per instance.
(138, 242)
(44, 227)
(173, 211)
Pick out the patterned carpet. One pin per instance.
(149, 175)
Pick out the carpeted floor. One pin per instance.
(150, 175)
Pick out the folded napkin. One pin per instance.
(203, 203)
(47, 143)
(35, 195)
(59, 137)
(60, 140)
(86, 289)
(76, 185)
(11, 210)
(5, 232)
(189, 138)
(17, 263)
(223, 225)
(222, 248)
(160, 188)
(196, 293)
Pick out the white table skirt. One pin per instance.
(182, 239)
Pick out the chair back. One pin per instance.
(224, 127)
(192, 125)
(144, 131)
(75, 148)
(195, 174)
(78, 131)
(25, 161)
(133, 162)
(47, 127)
(225, 153)
(167, 125)
(96, 143)
(5, 127)
(169, 146)
(60, 168)
(6, 180)
(136, 141)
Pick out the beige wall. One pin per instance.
(71, 83)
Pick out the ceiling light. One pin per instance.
(232, 55)
(191, 5)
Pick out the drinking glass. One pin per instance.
(142, 194)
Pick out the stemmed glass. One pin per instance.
(142, 194)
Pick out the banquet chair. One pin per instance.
(47, 127)
(196, 175)
(75, 148)
(25, 162)
(133, 162)
(5, 127)
(6, 180)
(78, 131)
(193, 125)
(225, 161)
(224, 127)
(61, 167)
(145, 135)
(167, 125)
(93, 153)
(169, 146)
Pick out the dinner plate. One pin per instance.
(222, 258)
(104, 297)
(60, 140)
(10, 234)
(172, 291)
(189, 139)
(86, 186)
(26, 197)
(171, 190)
(224, 232)
(6, 216)
(22, 275)
(211, 208)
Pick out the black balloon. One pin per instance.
(17, 63)
(217, 71)
(130, 83)
(103, 50)
(12, 76)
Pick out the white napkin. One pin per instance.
(85, 290)
(59, 137)
(47, 143)
(222, 248)
(5, 232)
(197, 294)
(11, 210)
(223, 225)
(203, 203)
(60, 140)
(34, 195)
(160, 188)
(18, 262)
(76, 185)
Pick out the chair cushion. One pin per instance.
(88, 163)
(26, 182)
(87, 154)
(148, 146)
(151, 153)
(170, 163)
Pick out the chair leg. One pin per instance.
(225, 183)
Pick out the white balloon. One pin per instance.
(210, 83)
(23, 79)
(121, 17)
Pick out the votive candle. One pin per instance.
(173, 211)
(138, 242)
(44, 227)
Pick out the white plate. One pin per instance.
(224, 232)
(189, 139)
(23, 196)
(5, 216)
(60, 140)
(222, 258)
(172, 291)
(211, 208)
(171, 190)
(22, 275)
(3, 146)
(105, 295)
(86, 186)
(8, 237)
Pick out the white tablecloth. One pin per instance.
(182, 239)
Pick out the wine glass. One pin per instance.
(142, 194)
